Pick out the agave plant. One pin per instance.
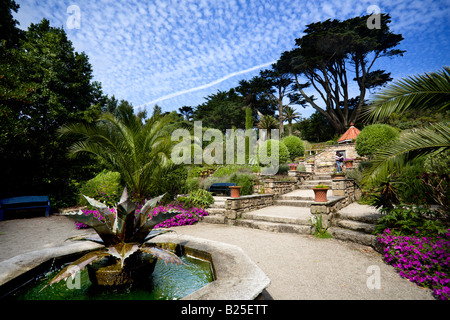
(124, 236)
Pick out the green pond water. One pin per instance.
(168, 282)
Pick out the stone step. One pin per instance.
(219, 219)
(353, 236)
(217, 205)
(321, 177)
(355, 225)
(294, 203)
(295, 198)
(316, 182)
(274, 226)
(299, 216)
(214, 211)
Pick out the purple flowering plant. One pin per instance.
(187, 216)
(423, 260)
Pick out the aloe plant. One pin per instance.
(123, 234)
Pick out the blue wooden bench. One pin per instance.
(27, 202)
(221, 188)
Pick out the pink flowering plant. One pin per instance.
(423, 260)
(187, 216)
(418, 246)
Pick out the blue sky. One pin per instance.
(176, 52)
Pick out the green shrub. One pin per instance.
(206, 183)
(170, 180)
(374, 137)
(264, 152)
(191, 185)
(228, 170)
(105, 187)
(283, 169)
(246, 181)
(410, 189)
(408, 220)
(295, 146)
(438, 163)
(198, 198)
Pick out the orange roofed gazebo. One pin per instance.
(349, 135)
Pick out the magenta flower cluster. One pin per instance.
(96, 214)
(423, 260)
(186, 216)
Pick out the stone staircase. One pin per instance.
(317, 179)
(216, 212)
(355, 223)
(291, 213)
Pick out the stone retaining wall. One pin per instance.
(234, 207)
(281, 187)
(344, 192)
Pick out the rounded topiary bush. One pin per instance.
(373, 137)
(265, 152)
(295, 146)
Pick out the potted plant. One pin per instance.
(235, 191)
(320, 193)
(293, 166)
(349, 162)
(337, 175)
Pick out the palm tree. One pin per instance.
(290, 115)
(135, 149)
(418, 92)
(267, 122)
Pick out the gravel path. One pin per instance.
(299, 266)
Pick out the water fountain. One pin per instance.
(126, 254)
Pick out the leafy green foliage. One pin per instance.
(44, 85)
(319, 231)
(222, 111)
(265, 152)
(199, 198)
(137, 150)
(346, 50)
(171, 179)
(105, 187)
(373, 137)
(295, 146)
(410, 95)
(246, 181)
(415, 92)
(316, 128)
(411, 220)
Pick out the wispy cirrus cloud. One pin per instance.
(176, 52)
(208, 85)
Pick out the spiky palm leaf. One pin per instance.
(133, 149)
(424, 91)
(392, 158)
(431, 90)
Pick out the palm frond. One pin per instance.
(430, 90)
(392, 158)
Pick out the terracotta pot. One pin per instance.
(293, 168)
(338, 176)
(235, 191)
(320, 194)
(349, 164)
